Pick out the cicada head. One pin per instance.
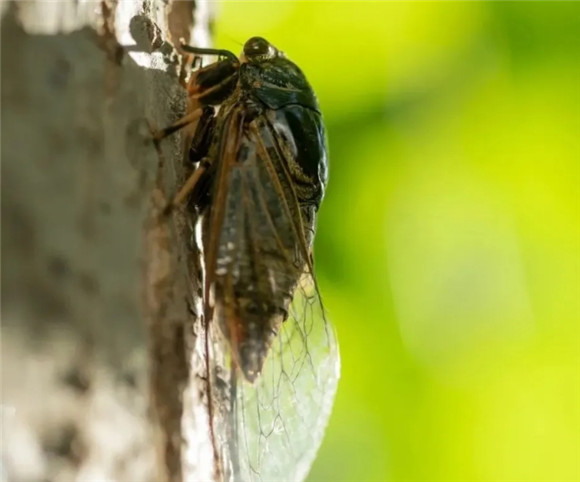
(271, 77)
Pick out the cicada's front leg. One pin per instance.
(213, 84)
(208, 87)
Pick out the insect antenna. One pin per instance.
(233, 40)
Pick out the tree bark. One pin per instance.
(102, 371)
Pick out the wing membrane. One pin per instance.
(282, 417)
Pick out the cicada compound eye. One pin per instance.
(258, 48)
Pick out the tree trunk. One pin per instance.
(102, 371)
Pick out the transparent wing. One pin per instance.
(281, 418)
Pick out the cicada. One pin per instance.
(260, 174)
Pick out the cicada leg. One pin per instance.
(198, 153)
(184, 121)
(212, 84)
(207, 87)
(188, 187)
(203, 136)
(209, 51)
(197, 62)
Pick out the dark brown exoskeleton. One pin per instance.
(261, 158)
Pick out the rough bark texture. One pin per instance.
(101, 367)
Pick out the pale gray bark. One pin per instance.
(101, 368)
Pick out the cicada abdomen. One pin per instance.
(262, 170)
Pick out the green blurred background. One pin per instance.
(448, 247)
